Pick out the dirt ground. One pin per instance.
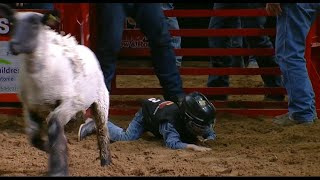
(244, 147)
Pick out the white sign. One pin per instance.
(4, 26)
(9, 69)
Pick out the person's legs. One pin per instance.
(86, 129)
(110, 22)
(262, 42)
(293, 26)
(252, 62)
(152, 22)
(47, 6)
(217, 22)
(133, 132)
(172, 23)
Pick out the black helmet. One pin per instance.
(198, 109)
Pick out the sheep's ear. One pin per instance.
(51, 18)
(7, 12)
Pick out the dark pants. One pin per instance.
(47, 6)
(236, 42)
(151, 20)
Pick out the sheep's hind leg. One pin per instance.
(34, 129)
(100, 115)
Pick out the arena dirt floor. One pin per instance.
(244, 147)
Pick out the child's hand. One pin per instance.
(208, 142)
(197, 148)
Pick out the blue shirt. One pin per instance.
(172, 138)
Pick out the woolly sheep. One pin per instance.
(58, 79)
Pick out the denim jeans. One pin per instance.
(48, 6)
(152, 22)
(293, 26)
(172, 23)
(217, 22)
(133, 132)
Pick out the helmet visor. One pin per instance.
(196, 129)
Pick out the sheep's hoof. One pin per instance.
(105, 161)
(61, 173)
(40, 144)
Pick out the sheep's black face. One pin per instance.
(24, 37)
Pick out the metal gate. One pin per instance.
(79, 20)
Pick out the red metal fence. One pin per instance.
(77, 21)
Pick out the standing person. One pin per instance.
(173, 24)
(48, 6)
(152, 22)
(252, 62)
(293, 24)
(217, 22)
(179, 126)
(249, 61)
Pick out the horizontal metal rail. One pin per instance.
(196, 13)
(131, 111)
(203, 52)
(204, 90)
(202, 71)
(213, 32)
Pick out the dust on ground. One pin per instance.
(245, 146)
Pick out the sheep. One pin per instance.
(58, 80)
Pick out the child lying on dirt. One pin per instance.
(180, 126)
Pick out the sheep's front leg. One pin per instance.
(58, 152)
(100, 115)
(34, 128)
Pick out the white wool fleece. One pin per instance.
(61, 69)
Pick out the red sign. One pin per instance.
(130, 39)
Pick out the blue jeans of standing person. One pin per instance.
(47, 6)
(173, 24)
(217, 22)
(293, 26)
(152, 22)
(133, 132)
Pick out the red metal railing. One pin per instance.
(252, 108)
(241, 107)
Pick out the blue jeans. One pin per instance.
(48, 6)
(133, 132)
(293, 26)
(236, 42)
(152, 22)
(172, 23)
